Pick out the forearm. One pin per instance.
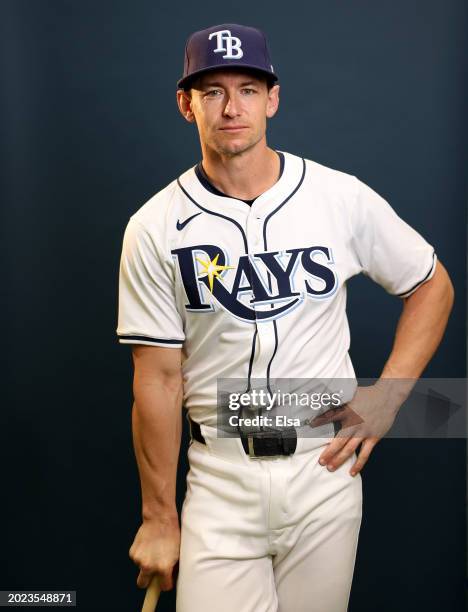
(156, 424)
(420, 327)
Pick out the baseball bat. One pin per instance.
(152, 595)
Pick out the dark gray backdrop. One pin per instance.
(90, 130)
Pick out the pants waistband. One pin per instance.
(233, 449)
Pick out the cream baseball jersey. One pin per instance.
(259, 292)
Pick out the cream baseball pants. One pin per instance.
(266, 535)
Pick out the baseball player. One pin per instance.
(237, 270)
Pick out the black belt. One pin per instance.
(259, 443)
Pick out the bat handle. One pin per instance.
(152, 595)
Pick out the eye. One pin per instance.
(213, 93)
(249, 91)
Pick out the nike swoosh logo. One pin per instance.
(180, 226)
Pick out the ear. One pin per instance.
(184, 102)
(273, 101)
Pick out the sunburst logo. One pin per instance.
(212, 270)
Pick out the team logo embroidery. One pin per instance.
(261, 287)
(232, 44)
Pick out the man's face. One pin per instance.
(230, 109)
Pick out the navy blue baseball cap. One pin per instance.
(224, 46)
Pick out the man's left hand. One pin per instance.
(364, 420)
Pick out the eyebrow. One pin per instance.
(218, 84)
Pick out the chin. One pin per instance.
(234, 147)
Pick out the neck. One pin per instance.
(245, 175)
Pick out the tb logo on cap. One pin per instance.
(232, 44)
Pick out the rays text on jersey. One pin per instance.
(260, 287)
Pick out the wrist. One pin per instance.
(395, 390)
(401, 370)
(161, 513)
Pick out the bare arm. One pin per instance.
(420, 327)
(419, 331)
(156, 425)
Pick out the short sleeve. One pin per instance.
(147, 312)
(389, 250)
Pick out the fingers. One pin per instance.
(144, 578)
(150, 567)
(338, 451)
(166, 581)
(363, 456)
(344, 454)
(341, 449)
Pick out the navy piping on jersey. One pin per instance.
(252, 353)
(421, 281)
(214, 190)
(205, 181)
(210, 212)
(148, 339)
(283, 202)
(266, 247)
(246, 248)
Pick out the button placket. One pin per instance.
(265, 329)
(254, 239)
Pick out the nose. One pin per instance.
(232, 107)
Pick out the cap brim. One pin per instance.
(184, 82)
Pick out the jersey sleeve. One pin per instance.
(147, 312)
(389, 251)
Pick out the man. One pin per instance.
(237, 270)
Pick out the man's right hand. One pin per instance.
(155, 550)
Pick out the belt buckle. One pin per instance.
(287, 439)
(259, 435)
(250, 445)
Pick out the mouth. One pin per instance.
(236, 128)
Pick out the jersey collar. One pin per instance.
(264, 204)
(204, 180)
